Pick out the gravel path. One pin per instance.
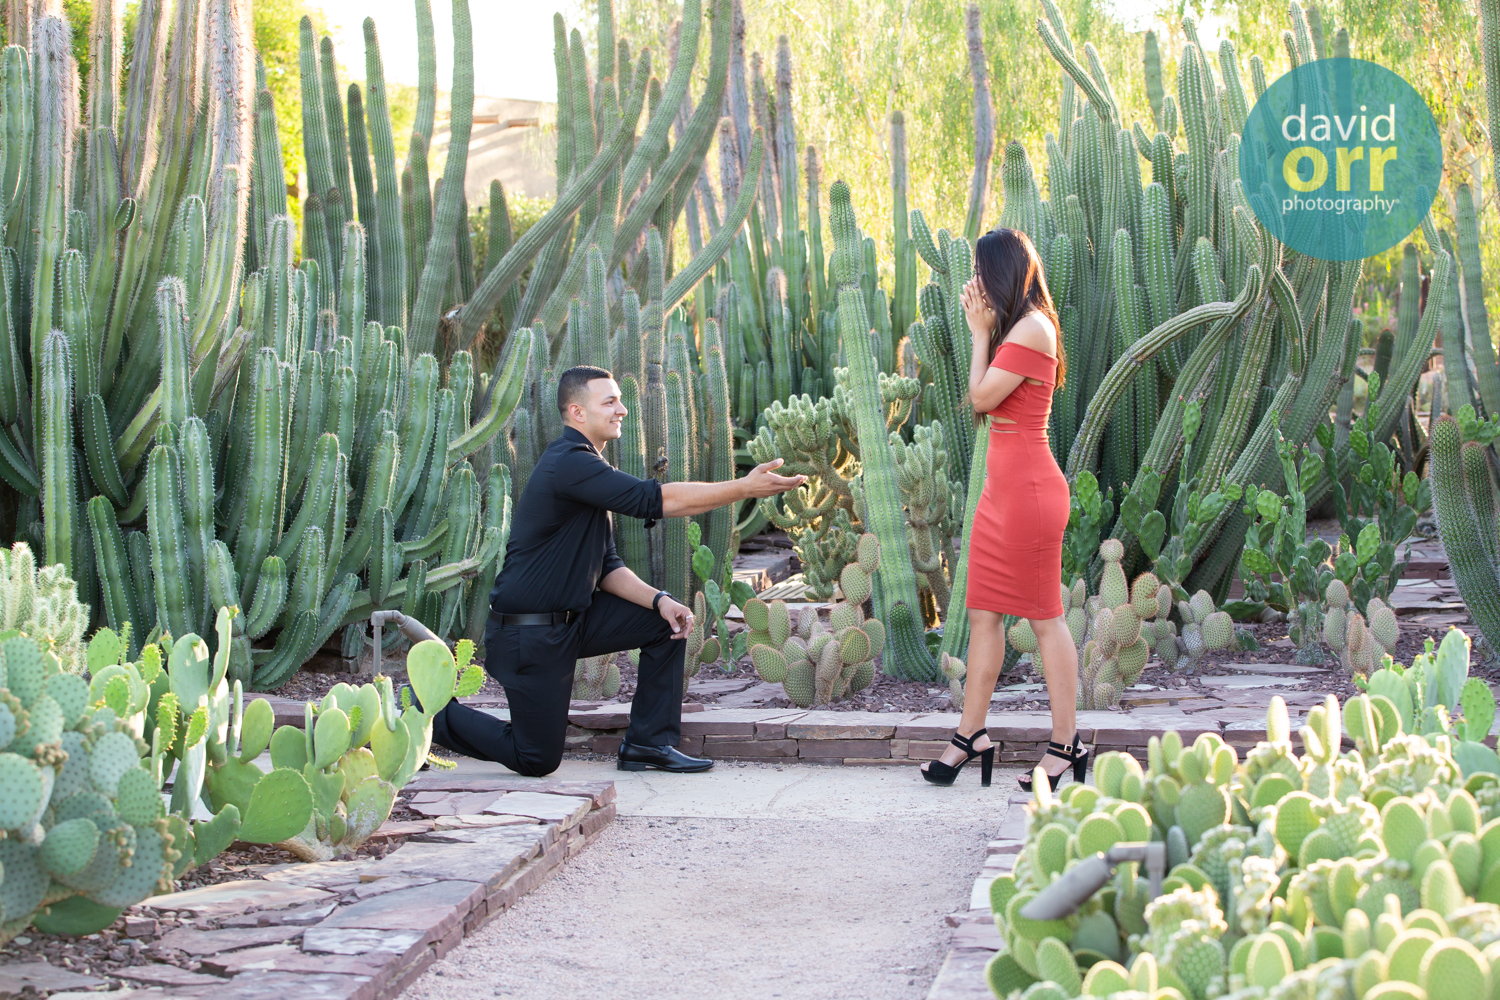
(812, 895)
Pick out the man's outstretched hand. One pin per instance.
(762, 481)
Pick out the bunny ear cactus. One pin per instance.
(1365, 873)
(817, 664)
(85, 834)
(1118, 629)
(597, 678)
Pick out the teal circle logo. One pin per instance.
(1340, 159)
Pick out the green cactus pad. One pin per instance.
(1022, 637)
(1319, 845)
(356, 766)
(1218, 630)
(863, 676)
(256, 727)
(13, 719)
(1005, 975)
(757, 615)
(69, 847)
(1454, 968)
(25, 882)
(855, 583)
(1478, 703)
(1098, 832)
(1406, 952)
(331, 736)
(1467, 858)
(46, 718)
(1054, 962)
(779, 623)
(71, 693)
(213, 837)
(1370, 970)
(327, 788)
(1271, 789)
(433, 673)
(1402, 828)
(289, 748)
(799, 684)
(1441, 891)
(74, 774)
(1372, 897)
(470, 680)
(280, 807)
(854, 646)
(149, 865)
(1268, 962)
(1295, 819)
(390, 749)
(113, 754)
(770, 664)
(25, 674)
(22, 790)
(1106, 977)
(76, 916)
(874, 628)
(1201, 808)
(1052, 848)
(368, 806)
(137, 799)
(844, 616)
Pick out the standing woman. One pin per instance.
(1015, 542)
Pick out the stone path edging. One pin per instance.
(365, 929)
(975, 937)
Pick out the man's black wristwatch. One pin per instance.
(655, 601)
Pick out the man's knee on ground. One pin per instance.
(538, 764)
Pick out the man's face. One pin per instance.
(599, 413)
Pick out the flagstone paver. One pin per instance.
(361, 930)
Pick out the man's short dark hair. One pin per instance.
(574, 383)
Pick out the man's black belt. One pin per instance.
(542, 618)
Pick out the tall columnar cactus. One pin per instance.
(1457, 503)
(896, 600)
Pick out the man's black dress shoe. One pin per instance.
(638, 758)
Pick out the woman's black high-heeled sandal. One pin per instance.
(940, 773)
(1070, 752)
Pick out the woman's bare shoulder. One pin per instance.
(1034, 330)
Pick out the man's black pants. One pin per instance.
(535, 664)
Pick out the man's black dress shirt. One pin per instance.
(561, 543)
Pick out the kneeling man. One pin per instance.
(564, 593)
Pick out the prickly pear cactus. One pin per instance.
(814, 663)
(1360, 873)
(1114, 631)
(1361, 641)
(596, 677)
(43, 604)
(83, 833)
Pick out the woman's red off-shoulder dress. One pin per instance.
(1015, 543)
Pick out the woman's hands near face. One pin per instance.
(978, 311)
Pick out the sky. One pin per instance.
(512, 43)
(512, 40)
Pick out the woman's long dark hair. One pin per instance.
(1010, 271)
